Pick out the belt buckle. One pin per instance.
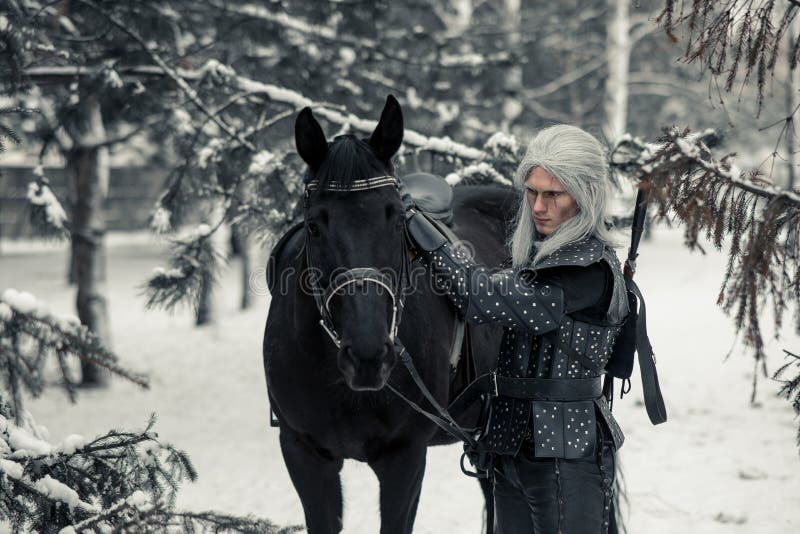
(494, 383)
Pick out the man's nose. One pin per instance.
(540, 206)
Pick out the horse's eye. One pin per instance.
(313, 229)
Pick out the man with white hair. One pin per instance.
(550, 433)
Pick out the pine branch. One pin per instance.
(170, 73)
(193, 261)
(790, 389)
(443, 146)
(46, 214)
(331, 35)
(24, 318)
(713, 198)
(732, 37)
(119, 482)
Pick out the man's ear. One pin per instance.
(310, 139)
(388, 135)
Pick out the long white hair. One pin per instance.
(578, 160)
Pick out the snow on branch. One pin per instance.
(47, 215)
(440, 145)
(120, 481)
(331, 34)
(30, 334)
(713, 198)
(194, 261)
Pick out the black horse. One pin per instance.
(330, 400)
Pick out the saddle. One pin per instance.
(431, 194)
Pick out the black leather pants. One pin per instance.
(553, 495)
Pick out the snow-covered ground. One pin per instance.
(719, 465)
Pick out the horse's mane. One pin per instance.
(350, 159)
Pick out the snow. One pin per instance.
(161, 220)
(501, 141)
(12, 469)
(60, 491)
(168, 273)
(718, 466)
(208, 152)
(182, 121)
(113, 79)
(347, 55)
(293, 98)
(40, 194)
(452, 178)
(22, 301)
(202, 230)
(71, 444)
(25, 302)
(261, 162)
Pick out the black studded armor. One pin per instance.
(545, 338)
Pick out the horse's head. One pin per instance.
(350, 225)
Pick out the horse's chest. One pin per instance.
(336, 418)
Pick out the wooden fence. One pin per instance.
(131, 195)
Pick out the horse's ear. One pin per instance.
(388, 135)
(310, 139)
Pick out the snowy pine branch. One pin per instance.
(713, 198)
(734, 37)
(30, 334)
(47, 216)
(121, 482)
(329, 34)
(194, 260)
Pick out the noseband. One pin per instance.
(358, 276)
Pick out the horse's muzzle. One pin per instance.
(366, 372)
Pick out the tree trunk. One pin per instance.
(618, 50)
(512, 108)
(88, 169)
(241, 247)
(205, 313)
(205, 302)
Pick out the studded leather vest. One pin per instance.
(540, 341)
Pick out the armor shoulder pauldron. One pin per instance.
(580, 253)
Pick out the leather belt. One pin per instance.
(547, 389)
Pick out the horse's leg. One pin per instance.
(316, 480)
(488, 497)
(399, 473)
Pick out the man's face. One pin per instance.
(550, 204)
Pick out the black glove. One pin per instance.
(423, 234)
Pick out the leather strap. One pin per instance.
(548, 389)
(444, 419)
(653, 400)
(460, 324)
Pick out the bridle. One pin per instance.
(357, 276)
(360, 276)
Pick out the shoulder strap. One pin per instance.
(653, 400)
